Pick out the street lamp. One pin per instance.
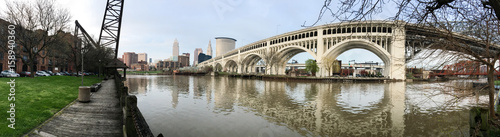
(99, 75)
(82, 64)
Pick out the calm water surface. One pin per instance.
(222, 106)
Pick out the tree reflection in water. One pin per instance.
(294, 108)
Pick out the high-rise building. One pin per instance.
(209, 49)
(150, 60)
(129, 58)
(197, 52)
(175, 49)
(202, 57)
(224, 45)
(184, 60)
(142, 57)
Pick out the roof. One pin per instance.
(225, 38)
(115, 63)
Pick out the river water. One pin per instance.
(222, 106)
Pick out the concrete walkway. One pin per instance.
(100, 117)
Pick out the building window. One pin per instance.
(1, 56)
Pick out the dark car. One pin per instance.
(65, 73)
(25, 74)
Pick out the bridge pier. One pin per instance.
(282, 69)
(397, 62)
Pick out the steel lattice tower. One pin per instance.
(111, 24)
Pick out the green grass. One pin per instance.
(37, 99)
(497, 82)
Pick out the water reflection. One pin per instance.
(222, 106)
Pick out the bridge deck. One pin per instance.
(100, 117)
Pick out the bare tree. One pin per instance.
(468, 28)
(329, 64)
(480, 19)
(37, 27)
(270, 59)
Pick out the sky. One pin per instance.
(151, 26)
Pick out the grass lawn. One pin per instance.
(36, 100)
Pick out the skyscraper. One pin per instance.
(209, 49)
(175, 49)
(197, 51)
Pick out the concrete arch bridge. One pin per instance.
(394, 42)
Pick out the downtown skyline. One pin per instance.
(151, 27)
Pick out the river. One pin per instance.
(223, 106)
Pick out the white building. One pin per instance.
(224, 45)
(175, 49)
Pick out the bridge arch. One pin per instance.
(218, 67)
(249, 61)
(231, 66)
(285, 54)
(293, 50)
(344, 46)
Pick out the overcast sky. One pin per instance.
(151, 26)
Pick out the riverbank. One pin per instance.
(38, 99)
(308, 78)
(99, 117)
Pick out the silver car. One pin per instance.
(7, 73)
(42, 73)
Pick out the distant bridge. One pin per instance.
(394, 42)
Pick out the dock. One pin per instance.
(102, 116)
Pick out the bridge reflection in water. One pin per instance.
(222, 106)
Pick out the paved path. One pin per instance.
(100, 117)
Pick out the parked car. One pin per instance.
(42, 73)
(66, 73)
(58, 74)
(48, 72)
(7, 73)
(25, 74)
